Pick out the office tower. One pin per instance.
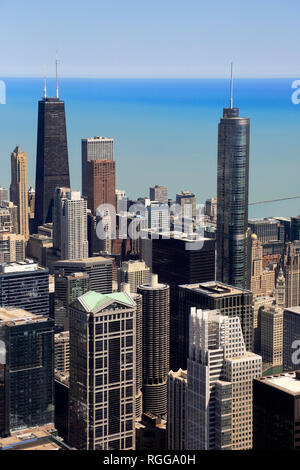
(180, 259)
(156, 311)
(27, 361)
(134, 273)
(187, 201)
(9, 212)
(280, 289)
(74, 242)
(62, 351)
(19, 189)
(291, 338)
(98, 268)
(276, 403)
(158, 216)
(267, 229)
(291, 272)
(272, 335)
(233, 257)
(3, 195)
(59, 195)
(25, 285)
(210, 209)
(97, 148)
(213, 295)
(262, 281)
(67, 289)
(52, 164)
(101, 178)
(259, 303)
(295, 228)
(102, 372)
(177, 385)
(219, 383)
(159, 194)
(12, 247)
(61, 392)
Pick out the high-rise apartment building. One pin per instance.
(19, 189)
(291, 338)
(134, 273)
(25, 285)
(219, 384)
(271, 326)
(62, 351)
(102, 372)
(159, 194)
(27, 370)
(156, 311)
(213, 295)
(97, 148)
(98, 268)
(9, 217)
(177, 385)
(12, 247)
(101, 177)
(276, 412)
(233, 256)
(52, 164)
(210, 209)
(74, 242)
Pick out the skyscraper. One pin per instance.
(159, 193)
(156, 309)
(232, 199)
(291, 338)
(177, 385)
(12, 247)
(97, 148)
(19, 189)
(134, 273)
(102, 372)
(291, 272)
(59, 194)
(74, 242)
(219, 383)
(25, 285)
(52, 164)
(27, 359)
(101, 178)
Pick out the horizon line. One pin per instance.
(96, 77)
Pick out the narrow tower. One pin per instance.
(233, 238)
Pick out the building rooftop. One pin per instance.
(40, 438)
(28, 265)
(295, 310)
(92, 260)
(288, 382)
(214, 288)
(94, 301)
(12, 315)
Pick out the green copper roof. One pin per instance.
(94, 300)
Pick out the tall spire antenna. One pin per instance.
(45, 84)
(231, 83)
(56, 62)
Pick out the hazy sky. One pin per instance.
(150, 38)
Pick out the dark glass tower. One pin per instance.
(52, 165)
(232, 213)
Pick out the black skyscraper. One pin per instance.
(52, 166)
(233, 266)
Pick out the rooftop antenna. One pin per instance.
(56, 62)
(45, 85)
(231, 82)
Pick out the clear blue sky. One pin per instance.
(150, 38)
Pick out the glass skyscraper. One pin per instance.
(232, 215)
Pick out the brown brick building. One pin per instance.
(101, 183)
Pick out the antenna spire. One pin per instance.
(45, 84)
(231, 83)
(56, 62)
